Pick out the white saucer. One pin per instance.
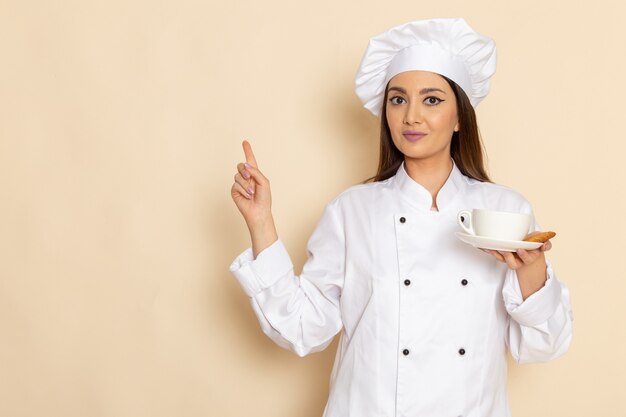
(497, 244)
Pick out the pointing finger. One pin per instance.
(247, 150)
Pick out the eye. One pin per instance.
(432, 100)
(396, 100)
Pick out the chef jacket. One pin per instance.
(425, 319)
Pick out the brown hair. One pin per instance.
(466, 148)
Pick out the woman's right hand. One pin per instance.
(251, 191)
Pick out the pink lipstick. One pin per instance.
(413, 136)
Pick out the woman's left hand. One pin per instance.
(521, 257)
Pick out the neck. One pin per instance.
(429, 173)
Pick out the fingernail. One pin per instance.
(247, 165)
(246, 174)
(250, 190)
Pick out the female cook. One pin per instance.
(425, 319)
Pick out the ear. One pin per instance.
(456, 127)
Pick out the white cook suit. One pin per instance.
(425, 319)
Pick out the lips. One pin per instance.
(413, 136)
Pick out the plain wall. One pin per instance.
(120, 129)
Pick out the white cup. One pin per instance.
(495, 224)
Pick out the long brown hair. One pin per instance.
(466, 148)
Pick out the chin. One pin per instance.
(426, 155)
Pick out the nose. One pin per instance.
(413, 114)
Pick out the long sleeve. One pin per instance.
(298, 313)
(540, 327)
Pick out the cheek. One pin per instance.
(393, 118)
(393, 130)
(395, 125)
(446, 121)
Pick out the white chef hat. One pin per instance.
(448, 47)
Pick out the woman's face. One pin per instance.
(422, 115)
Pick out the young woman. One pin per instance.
(425, 319)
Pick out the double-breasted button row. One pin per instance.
(407, 282)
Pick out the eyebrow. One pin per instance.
(422, 91)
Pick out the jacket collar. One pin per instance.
(418, 196)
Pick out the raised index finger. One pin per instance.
(247, 149)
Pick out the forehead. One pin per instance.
(410, 80)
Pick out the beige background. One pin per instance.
(120, 128)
